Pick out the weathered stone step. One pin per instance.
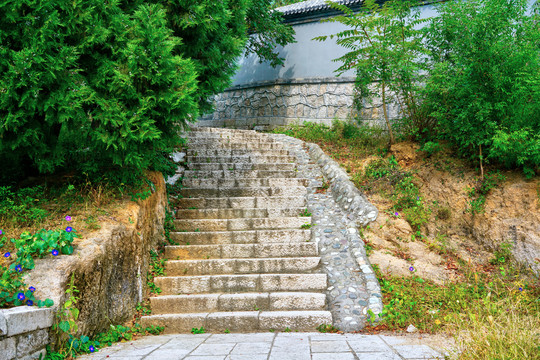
(242, 237)
(244, 192)
(236, 145)
(242, 167)
(236, 183)
(238, 213)
(232, 152)
(277, 301)
(241, 224)
(198, 141)
(276, 202)
(239, 321)
(244, 159)
(229, 136)
(236, 251)
(238, 174)
(176, 285)
(242, 266)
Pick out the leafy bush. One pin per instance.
(483, 86)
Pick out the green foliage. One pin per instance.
(198, 331)
(27, 248)
(484, 85)
(306, 226)
(430, 148)
(385, 49)
(480, 191)
(157, 268)
(327, 328)
(20, 206)
(502, 255)
(89, 87)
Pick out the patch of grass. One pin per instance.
(479, 192)
(499, 304)
(198, 331)
(327, 328)
(306, 226)
(305, 213)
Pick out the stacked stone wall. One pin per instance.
(272, 104)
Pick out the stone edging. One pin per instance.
(24, 332)
(361, 212)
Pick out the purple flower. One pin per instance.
(32, 289)
(520, 289)
(54, 252)
(29, 302)
(91, 348)
(1, 232)
(411, 269)
(18, 268)
(68, 229)
(7, 254)
(396, 213)
(68, 218)
(20, 296)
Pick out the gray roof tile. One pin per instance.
(311, 6)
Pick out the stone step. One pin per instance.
(237, 251)
(241, 224)
(237, 183)
(242, 266)
(243, 192)
(241, 167)
(232, 152)
(238, 213)
(276, 301)
(204, 145)
(238, 174)
(244, 159)
(243, 237)
(204, 284)
(230, 135)
(239, 321)
(197, 141)
(276, 202)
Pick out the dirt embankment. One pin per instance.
(511, 215)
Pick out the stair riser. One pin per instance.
(241, 167)
(228, 136)
(241, 283)
(251, 159)
(240, 322)
(229, 152)
(241, 266)
(239, 174)
(240, 224)
(183, 304)
(236, 145)
(240, 251)
(241, 202)
(243, 237)
(244, 192)
(238, 183)
(238, 213)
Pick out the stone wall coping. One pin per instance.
(23, 319)
(295, 81)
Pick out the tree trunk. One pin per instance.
(386, 114)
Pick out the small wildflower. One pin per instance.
(20, 296)
(7, 254)
(1, 232)
(411, 269)
(54, 252)
(396, 213)
(18, 268)
(29, 302)
(91, 348)
(32, 289)
(68, 229)
(520, 289)
(68, 218)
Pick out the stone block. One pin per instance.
(40, 354)
(24, 319)
(31, 342)
(8, 349)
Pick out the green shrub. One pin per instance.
(483, 86)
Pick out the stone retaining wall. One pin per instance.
(270, 104)
(109, 266)
(24, 332)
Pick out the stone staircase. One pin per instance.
(246, 262)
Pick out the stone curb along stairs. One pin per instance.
(246, 261)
